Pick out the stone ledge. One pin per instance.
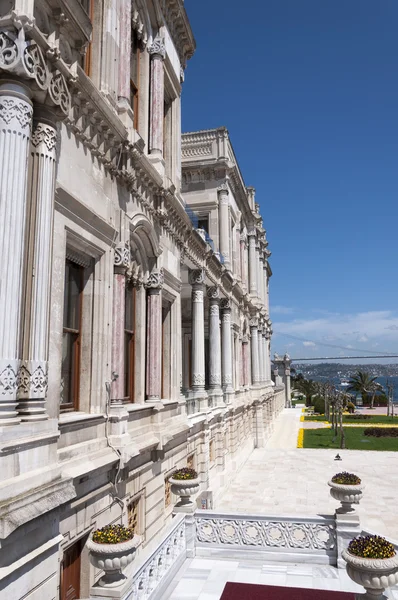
(10, 569)
(24, 508)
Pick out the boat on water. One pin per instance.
(344, 383)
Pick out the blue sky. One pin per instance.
(309, 92)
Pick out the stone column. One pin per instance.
(266, 290)
(125, 50)
(158, 54)
(252, 263)
(33, 379)
(242, 242)
(223, 218)
(15, 128)
(121, 263)
(267, 337)
(245, 360)
(265, 355)
(261, 279)
(286, 363)
(260, 353)
(213, 294)
(154, 337)
(254, 351)
(258, 270)
(197, 279)
(226, 346)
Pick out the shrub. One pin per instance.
(319, 405)
(112, 534)
(184, 474)
(345, 478)
(371, 546)
(350, 407)
(359, 417)
(381, 432)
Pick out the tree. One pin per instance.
(307, 387)
(361, 383)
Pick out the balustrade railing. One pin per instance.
(268, 536)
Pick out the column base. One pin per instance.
(152, 399)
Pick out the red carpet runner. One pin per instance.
(246, 591)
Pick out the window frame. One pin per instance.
(129, 347)
(76, 359)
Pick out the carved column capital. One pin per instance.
(122, 258)
(196, 276)
(226, 304)
(155, 281)
(158, 48)
(213, 293)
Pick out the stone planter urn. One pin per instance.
(347, 495)
(112, 558)
(374, 574)
(184, 488)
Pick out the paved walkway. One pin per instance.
(283, 480)
(205, 578)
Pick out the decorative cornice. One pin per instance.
(178, 25)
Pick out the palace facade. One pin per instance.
(134, 292)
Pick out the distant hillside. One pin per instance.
(343, 370)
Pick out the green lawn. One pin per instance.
(347, 419)
(354, 440)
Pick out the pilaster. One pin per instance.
(252, 263)
(33, 378)
(223, 204)
(121, 263)
(154, 286)
(158, 53)
(213, 294)
(226, 347)
(254, 351)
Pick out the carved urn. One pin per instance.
(112, 558)
(347, 489)
(184, 483)
(374, 574)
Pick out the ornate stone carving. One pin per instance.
(122, 257)
(227, 379)
(8, 381)
(253, 322)
(25, 59)
(213, 293)
(215, 379)
(196, 276)
(43, 133)
(11, 109)
(198, 379)
(32, 384)
(197, 296)
(214, 310)
(226, 304)
(223, 189)
(155, 280)
(158, 48)
(266, 533)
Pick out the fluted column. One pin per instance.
(254, 351)
(121, 263)
(223, 219)
(197, 279)
(261, 278)
(265, 354)
(154, 337)
(15, 128)
(158, 54)
(260, 353)
(33, 378)
(226, 346)
(245, 360)
(266, 289)
(213, 294)
(252, 263)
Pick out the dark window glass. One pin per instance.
(129, 343)
(71, 335)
